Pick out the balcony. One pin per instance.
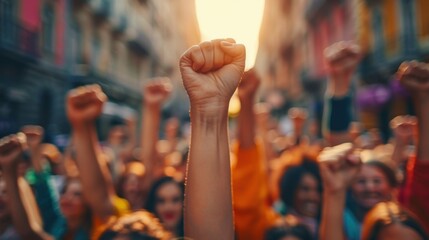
(18, 41)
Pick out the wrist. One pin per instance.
(212, 111)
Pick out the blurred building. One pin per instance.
(295, 33)
(50, 46)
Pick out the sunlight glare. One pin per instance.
(238, 19)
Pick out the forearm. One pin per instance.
(36, 159)
(423, 128)
(331, 226)
(150, 130)
(398, 152)
(93, 171)
(246, 124)
(208, 189)
(20, 217)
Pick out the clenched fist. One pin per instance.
(85, 104)
(415, 77)
(211, 72)
(157, 91)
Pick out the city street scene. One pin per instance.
(214, 119)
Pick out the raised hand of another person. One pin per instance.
(342, 58)
(415, 77)
(157, 91)
(248, 86)
(339, 166)
(85, 104)
(211, 73)
(11, 148)
(34, 136)
(403, 128)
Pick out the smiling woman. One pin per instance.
(238, 19)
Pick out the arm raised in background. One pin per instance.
(34, 136)
(18, 191)
(84, 105)
(415, 77)
(403, 129)
(338, 168)
(246, 119)
(211, 73)
(155, 93)
(342, 59)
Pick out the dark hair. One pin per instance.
(88, 213)
(139, 225)
(300, 231)
(292, 177)
(153, 197)
(387, 171)
(388, 213)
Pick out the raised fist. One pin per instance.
(157, 91)
(415, 76)
(248, 85)
(85, 104)
(11, 147)
(404, 128)
(34, 135)
(342, 58)
(339, 165)
(211, 72)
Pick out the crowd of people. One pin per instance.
(262, 185)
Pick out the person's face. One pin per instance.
(132, 190)
(398, 232)
(169, 205)
(72, 204)
(4, 206)
(371, 187)
(307, 196)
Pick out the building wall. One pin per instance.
(50, 46)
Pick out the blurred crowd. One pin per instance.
(334, 183)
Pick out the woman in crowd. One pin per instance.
(165, 201)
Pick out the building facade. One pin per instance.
(50, 46)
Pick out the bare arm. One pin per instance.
(415, 77)
(342, 58)
(246, 119)
(403, 127)
(17, 187)
(211, 72)
(338, 168)
(84, 105)
(154, 94)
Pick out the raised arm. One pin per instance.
(154, 95)
(18, 191)
(342, 59)
(415, 77)
(211, 72)
(403, 128)
(84, 105)
(338, 167)
(246, 119)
